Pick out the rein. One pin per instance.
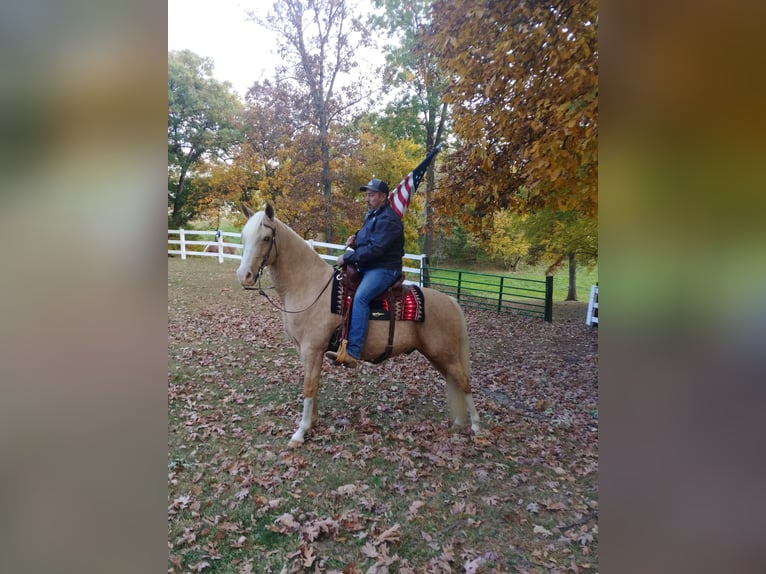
(260, 273)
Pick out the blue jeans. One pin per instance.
(374, 282)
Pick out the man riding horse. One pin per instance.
(378, 251)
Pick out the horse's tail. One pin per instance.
(465, 354)
(456, 387)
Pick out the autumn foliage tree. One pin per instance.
(317, 41)
(508, 241)
(564, 236)
(524, 97)
(416, 86)
(376, 155)
(283, 153)
(203, 125)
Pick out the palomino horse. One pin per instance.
(302, 279)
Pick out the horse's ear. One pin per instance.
(247, 211)
(269, 211)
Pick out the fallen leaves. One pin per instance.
(384, 483)
(463, 507)
(350, 489)
(472, 565)
(584, 538)
(390, 536)
(369, 550)
(412, 511)
(284, 524)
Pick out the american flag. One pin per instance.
(401, 195)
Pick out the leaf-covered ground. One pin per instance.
(383, 484)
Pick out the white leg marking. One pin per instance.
(308, 409)
(472, 413)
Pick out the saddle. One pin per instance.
(350, 278)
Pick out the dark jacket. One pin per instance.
(380, 241)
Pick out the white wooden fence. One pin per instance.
(181, 245)
(592, 317)
(217, 238)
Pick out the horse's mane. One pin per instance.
(289, 238)
(285, 230)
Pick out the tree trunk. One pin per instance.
(430, 133)
(324, 142)
(178, 201)
(428, 235)
(432, 139)
(572, 293)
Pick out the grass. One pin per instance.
(523, 292)
(240, 501)
(488, 282)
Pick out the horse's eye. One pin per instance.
(267, 238)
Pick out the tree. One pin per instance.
(270, 126)
(361, 153)
(377, 156)
(317, 41)
(561, 235)
(508, 241)
(274, 114)
(285, 146)
(524, 97)
(414, 78)
(202, 124)
(295, 188)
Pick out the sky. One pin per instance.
(241, 51)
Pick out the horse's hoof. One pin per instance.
(294, 443)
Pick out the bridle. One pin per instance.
(272, 245)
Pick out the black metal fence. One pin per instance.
(501, 293)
